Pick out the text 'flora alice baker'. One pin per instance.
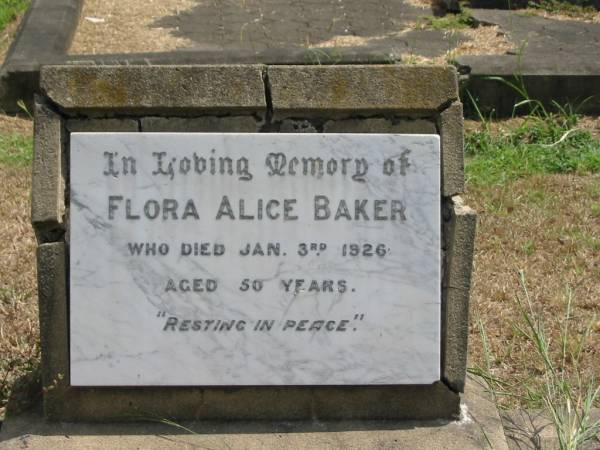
(276, 165)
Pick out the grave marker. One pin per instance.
(222, 269)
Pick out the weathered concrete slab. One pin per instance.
(43, 37)
(459, 222)
(555, 60)
(360, 90)
(537, 36)
(48, 186)
(92, 125)
(480, 427)
(53, 316)
(148, 89)
(571, 80)
(451, 129)
(280, 23)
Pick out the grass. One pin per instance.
(543, 142)
(19, 333)
(448, 21)
(535, 183)
(563, 390)
(10, 10)
(16, 149)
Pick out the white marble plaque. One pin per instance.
(205, 259)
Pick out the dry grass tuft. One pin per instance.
(112, 26)
(549, 227)
(19, 332)
(16, 124)
(485, 40)
(588, 16)
(346, 41)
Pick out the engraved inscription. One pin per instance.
(254, 259)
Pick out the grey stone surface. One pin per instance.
(47, 198)
(255, 403)
(102, 125)
(344, 91)
(543, 37)
(147, 89)
(43, 37)
(480, 427)
(556, 60)
(451, 129)
(573, 80)
(54, 339)
(241, 124)
(380, 125)
(372, 54)
(296, 126)
(264, 24)
(459, 242)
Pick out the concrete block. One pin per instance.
(259, 403)
(154, 89)
(386, 403)
(43, 37)
(351, 90)
(54, 334)
(451, 129)
(459, 242)
(379, 125)
(256, 403)
(480, 427)
(47, 198)
(102, 125)
(224, 124)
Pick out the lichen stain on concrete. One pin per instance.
(340, 90)
(102, 91)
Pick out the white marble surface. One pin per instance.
(123, 308)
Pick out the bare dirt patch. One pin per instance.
(126, 26)
(547, 226)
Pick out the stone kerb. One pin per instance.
(246, 98)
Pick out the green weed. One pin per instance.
(16, 149)
(528, 248)
(585, 239)
(10, 9)
(447, 22)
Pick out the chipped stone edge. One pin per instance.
(450, 125)
(458, 233)
(48, 180)
(289, 98)
(54, 326)
(152, 94)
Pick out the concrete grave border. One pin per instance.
(246, 98)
